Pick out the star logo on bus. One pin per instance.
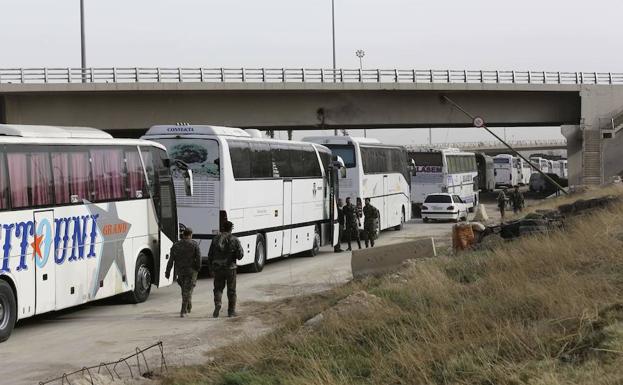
(113, 231)
(36, 246)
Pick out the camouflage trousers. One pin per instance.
(187, 284)
(222, 278)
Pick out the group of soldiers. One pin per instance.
(515, 198)
(349, 221)
(225, 250)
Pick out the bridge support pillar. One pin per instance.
(573, 134)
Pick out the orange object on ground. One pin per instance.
(462, 236)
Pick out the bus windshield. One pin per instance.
(201, 155)
(346, 152)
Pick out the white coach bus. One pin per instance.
(276, 193)
(507, 171)
(376, 171)
(84, 217)
(445, 171)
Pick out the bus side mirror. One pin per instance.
(338, 163)
(188, 177)
(188, 182)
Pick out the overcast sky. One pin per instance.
(554, 35)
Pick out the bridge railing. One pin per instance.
(298, 75)
(493, 144)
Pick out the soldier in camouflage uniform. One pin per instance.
(225, 250)
(186, 257)
(370, 222)
(352, 223)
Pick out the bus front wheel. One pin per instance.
(260, 255)
(402, 221)
(142, 280)
(8, 310)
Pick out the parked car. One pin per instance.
(443, 206)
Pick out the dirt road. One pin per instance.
(49, 345)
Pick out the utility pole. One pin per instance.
(333, 26)
(83, 50)
(333, 38)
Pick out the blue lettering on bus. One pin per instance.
(23, 230)
(59, 259)
(80, 235)
(63, 240)
(93, 235)
(8, 231)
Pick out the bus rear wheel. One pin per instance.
(260, 255)
(142, 280)
(8, 310)
(402, 221)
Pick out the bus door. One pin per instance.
(43, 255)
(287, 216)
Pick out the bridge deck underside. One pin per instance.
(291, 109)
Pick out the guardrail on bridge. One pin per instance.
(297, 75)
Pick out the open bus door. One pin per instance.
(337, 170)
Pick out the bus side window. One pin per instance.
(4, 186)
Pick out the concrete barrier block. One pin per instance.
(383, 259)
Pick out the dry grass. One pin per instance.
(541, 310)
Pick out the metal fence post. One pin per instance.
(559, 81)
(513, 74)
(322, 75)
(222, 74)
(465, 76)
(432, 79)
(202, 74)
(243, 75)
(610, 77)
(179, 74)
(341, 75)
(581, 77)
(263, 75)
(414, 76)
(114, 74)
(91, 75)
(448, 76)
(45, 75)
(360, 76)
(378, 75)
(158, 75)
(396, 74)
(482, 79)
(544, 78)
(577, 78)
(283, 75)
(68, 75)
(497, 76)
(303, 75)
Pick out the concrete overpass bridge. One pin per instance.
(494, 147)
(132, 99)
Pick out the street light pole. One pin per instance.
(333, 39)
(83, 50)
(360, 54)
(333, 35)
